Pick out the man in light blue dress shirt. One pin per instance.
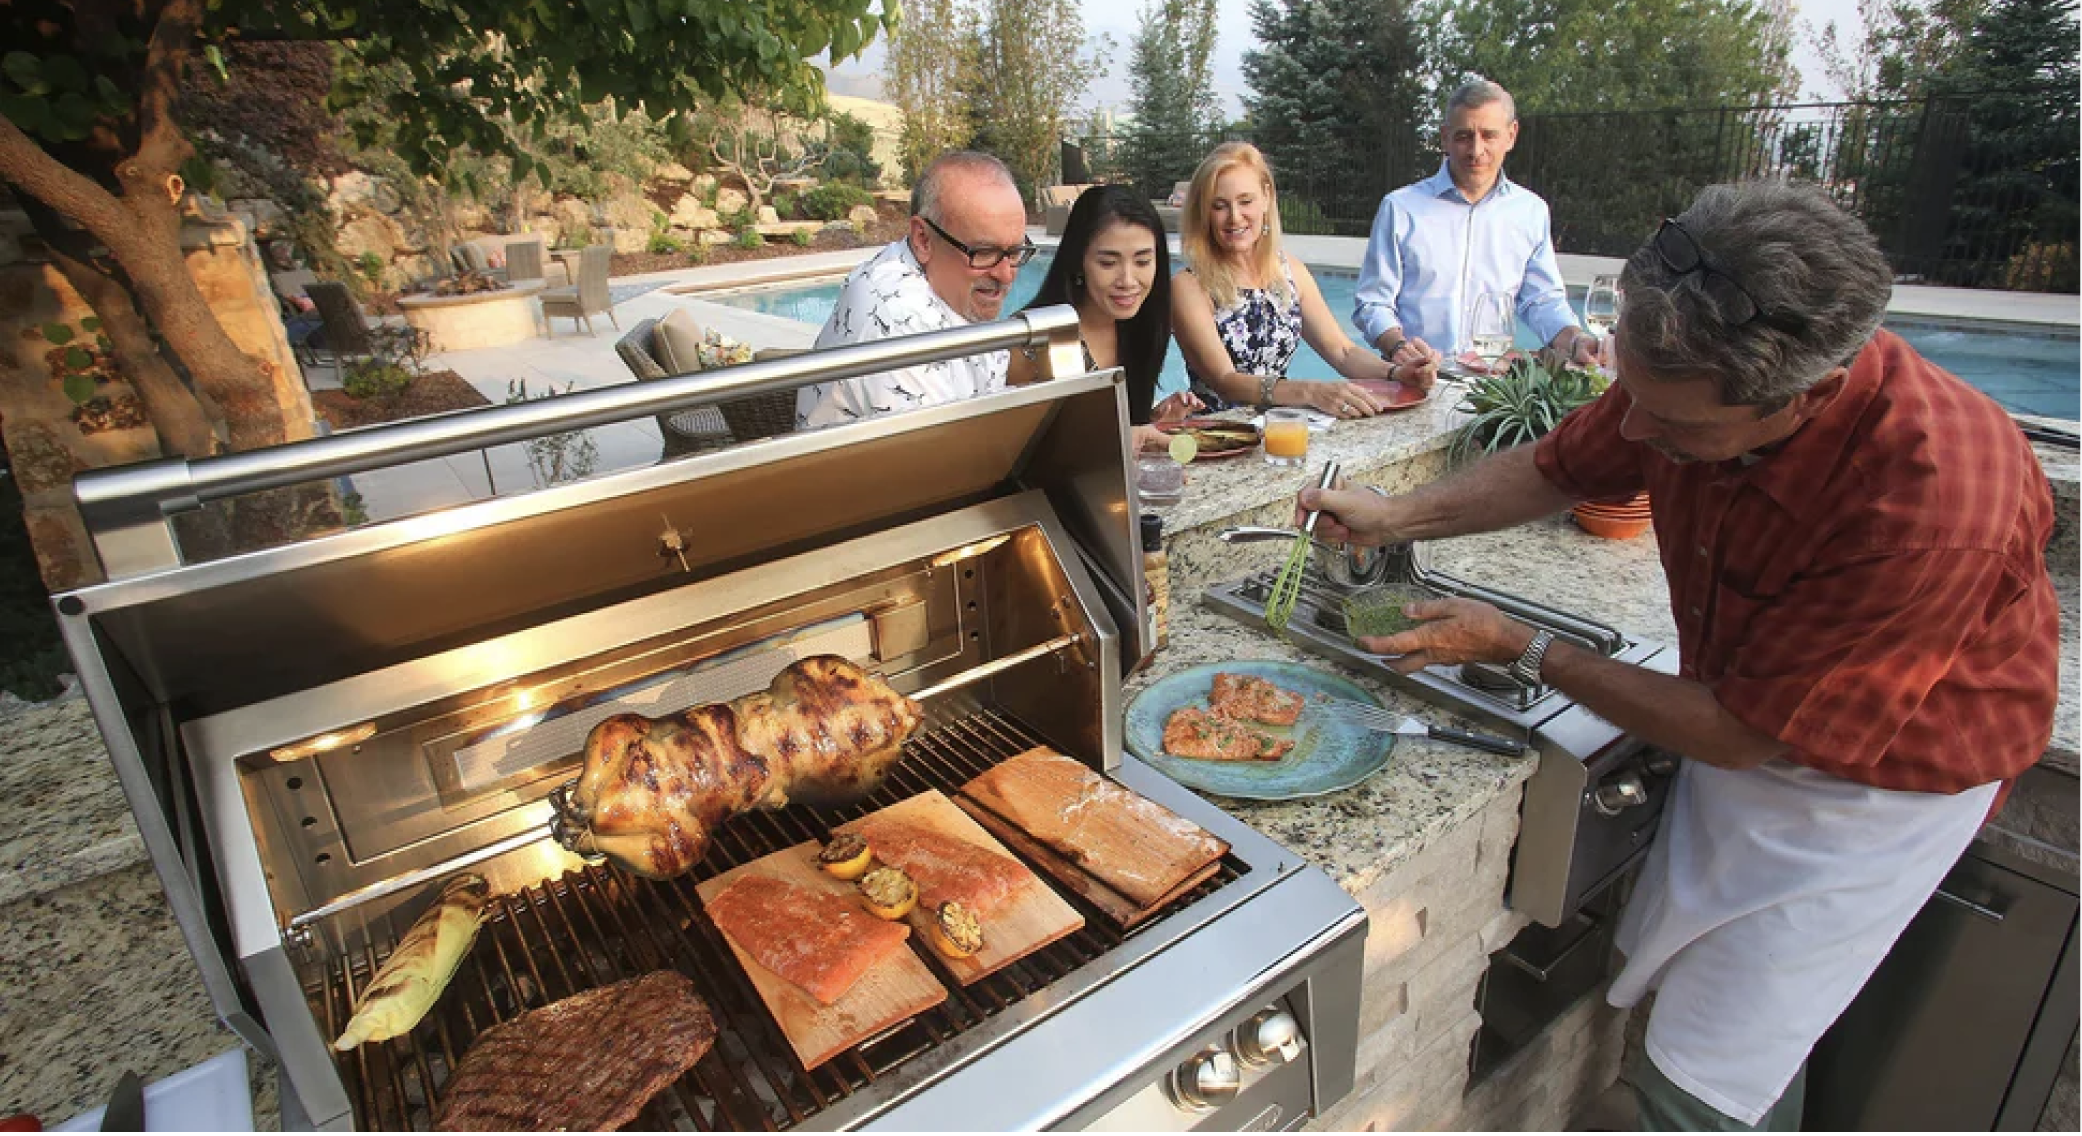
(1466, 230)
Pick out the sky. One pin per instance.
(1118, 18)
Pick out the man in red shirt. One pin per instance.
(1854, 542)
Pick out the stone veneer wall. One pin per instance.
(1435, 921)
(44, 447)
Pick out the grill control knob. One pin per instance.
(1205, 1081)
(1661, 764)
(1618, 795)
(1271, 1037)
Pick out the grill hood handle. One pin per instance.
(125, 508)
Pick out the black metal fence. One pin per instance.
(1950, 204)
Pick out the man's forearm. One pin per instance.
(1674, 713)
(1501, 491)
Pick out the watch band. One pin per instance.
(1265, 385)
(1526, 667)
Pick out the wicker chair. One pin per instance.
(581, 301)
(524, 261)
(706, 427)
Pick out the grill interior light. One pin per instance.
(324, 743)
(956, 556)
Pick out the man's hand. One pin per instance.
(1455, 631)
(1578, 347)
(1353, 516)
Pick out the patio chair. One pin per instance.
(581, 301)
(525, 261)
(471, 257)
(345, 330)
(1056, 201)
(658, 349)
(299, 312)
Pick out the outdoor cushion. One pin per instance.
(676, 342)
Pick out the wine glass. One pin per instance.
(1492, 326)
(1601, 305)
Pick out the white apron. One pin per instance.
(1770, 896)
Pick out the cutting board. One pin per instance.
(899, 988)
(1121, 836)
(1034, 917)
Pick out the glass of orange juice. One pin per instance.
(1286, 435)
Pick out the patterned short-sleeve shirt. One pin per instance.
(1874, 593)
(889, 296)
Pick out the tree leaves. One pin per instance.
(57, 334)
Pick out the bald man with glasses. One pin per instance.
(966, 244)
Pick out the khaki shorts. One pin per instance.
(1667, 1108)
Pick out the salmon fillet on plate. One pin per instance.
(1248, 698)
(1193, 732)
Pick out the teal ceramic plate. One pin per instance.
(1327, 756)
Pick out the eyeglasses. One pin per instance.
(1680, 253)
(984, 257)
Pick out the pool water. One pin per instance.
(2028, 373)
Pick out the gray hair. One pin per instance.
(925, 196)
(1480, 93)
(1815, 273)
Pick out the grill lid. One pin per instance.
(217, 635)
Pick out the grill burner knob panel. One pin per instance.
(1619, 794)
(1271, 1037)
(1205, 1081)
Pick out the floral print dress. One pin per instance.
(1260, 333)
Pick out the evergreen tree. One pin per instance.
(1336, 102)
(1033, 71)
(1172, 105)
(931, 74)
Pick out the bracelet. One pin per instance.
(1265, 386)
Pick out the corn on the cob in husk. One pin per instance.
(406, 986)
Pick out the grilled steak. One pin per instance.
(587, 1063)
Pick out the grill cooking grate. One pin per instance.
(599, 925)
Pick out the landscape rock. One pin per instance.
(269, 221)
(369, 233)
(702, 184)
(862, 215)
(689, 213)
(672, 171)
(356, 191)
(768, 215)
(730, 201)
(632, 211)
(715, 237)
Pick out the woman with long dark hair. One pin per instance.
(1114, 268)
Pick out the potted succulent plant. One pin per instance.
(1520, 404)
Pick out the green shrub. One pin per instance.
(785, 204)
(376, 379)
(697, 253)
(749, 238)
(852, 153)
(369, 265)
(802, 238)
(666, 243)
(831, 202)
(1300, 216)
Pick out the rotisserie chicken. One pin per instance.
(651, 791)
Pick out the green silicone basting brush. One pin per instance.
(1286, 587)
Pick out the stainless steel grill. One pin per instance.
(599, 925)
(313, 736)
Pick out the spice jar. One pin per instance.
(1156, 578)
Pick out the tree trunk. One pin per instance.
(184, 424)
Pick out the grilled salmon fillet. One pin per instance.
(821, 942)
(1248, 698)
(945, 867)
(1193, 732)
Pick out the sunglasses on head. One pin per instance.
(985, 257)
(1680, 253)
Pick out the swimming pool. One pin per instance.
(2027, 372)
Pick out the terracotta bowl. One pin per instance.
(1614, 528)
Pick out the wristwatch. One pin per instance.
(1265, 385)
(1526, 667)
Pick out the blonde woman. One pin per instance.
(1241, 309)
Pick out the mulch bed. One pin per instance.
(431, 393)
